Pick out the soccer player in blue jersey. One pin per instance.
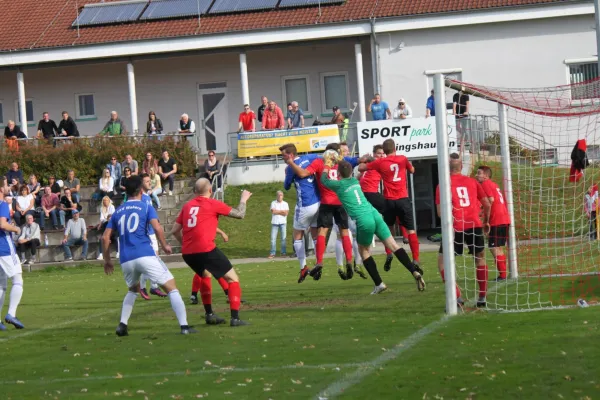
(10, 266)
(307, 205)
(131, 221)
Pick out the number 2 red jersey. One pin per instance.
(466, 196)
(327, 196)
(499, 211)
(199, 218)
(393, 172)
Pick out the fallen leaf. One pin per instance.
(296, 382)
(20, 382)
(119, 376)
(84, 390)
(463, 389)
(140, 392)
(248, 380)
(76, 355)
(568, 378)
(207, 363)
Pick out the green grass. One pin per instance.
(303, 338)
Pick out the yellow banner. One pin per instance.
(267, 143)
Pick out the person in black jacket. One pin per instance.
(67, 126)
(13, 131)
(154, 125)
(47, 127)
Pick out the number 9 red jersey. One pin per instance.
(467, 194)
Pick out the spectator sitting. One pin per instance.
(338, 117)
(295, 116)
(115, 171)
(73, 183)
(379, 109)
(51, 207)
(156, 187)
(149, 162)
(35, 189)
(25, 205)
(29, 240)
(264, 103)
(54, 186)
(14, 175)
(107, 209)
(430, 106)
(167, 168)
(68, 204)
(126, 175)
(273, 117)
(154, 125)
(212, 166)
(403, 110)
(67, 127)
(279, 210)
(106, 185)
(75, 234)
(46, 127)
(114, 126)
(186, 125)
(247, 120)
(130, 163)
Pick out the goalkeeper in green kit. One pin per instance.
(369, 221)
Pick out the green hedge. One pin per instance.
(87, 157)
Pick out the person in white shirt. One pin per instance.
(29, 240)
(279, 210)
(106, 185)
(107, 209)
(403, 110)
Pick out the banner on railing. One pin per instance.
(414, 137)
(267, 143)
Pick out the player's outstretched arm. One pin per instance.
(239, 212)
(160, 235)
(223, 235)
(299, 172)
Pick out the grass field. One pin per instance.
(326, 339)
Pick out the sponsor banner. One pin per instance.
(267, 143)
(414, 137)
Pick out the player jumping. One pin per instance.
(467, 193)
(369, 222)
(137, 257)
(195, 229)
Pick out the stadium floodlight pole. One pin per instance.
(508, 189)
(441, 128)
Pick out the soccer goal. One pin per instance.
(528, 139)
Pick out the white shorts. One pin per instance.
(153, 267)
(11, 265)
(306, 217)
(351, 228)
(154, 243)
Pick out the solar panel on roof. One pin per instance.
(159, 9)
(108, 13)
(226, 6)
(302, 3)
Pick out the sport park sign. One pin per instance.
(414, 137)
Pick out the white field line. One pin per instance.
(365, 369)
(560, 275)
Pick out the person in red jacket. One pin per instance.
(273, 117)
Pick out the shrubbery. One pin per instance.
(87, 157)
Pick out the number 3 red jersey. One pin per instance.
(327, 196)
(466, 196)
(499, 211)
(393, 172)
(199, 218)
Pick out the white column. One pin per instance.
(360, 81)
(597, 19)
(132, 99)
(244, 78)
(22, 102)
(508, 190)
(441, 127)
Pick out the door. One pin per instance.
(214, 118)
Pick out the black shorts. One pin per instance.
(498, 236)
(213, 261)
(377, 201)
(473, 238)
(328, 212)
(402, 209)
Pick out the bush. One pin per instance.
(88, 156)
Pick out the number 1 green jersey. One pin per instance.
(350, 194)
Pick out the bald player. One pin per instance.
(196, 228)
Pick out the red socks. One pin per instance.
(347, 245)
(235, 296)
(501, 265)
(413, 242)
(388, 251)
(224, 284)
(320, 248)
(196, 283)
(404, 231)
(482, 279)
(206, 290)
(444, 280)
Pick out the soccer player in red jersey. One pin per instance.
(499, 219)
(196, 228)
(467, 194)
(330, 208)
(395, 190)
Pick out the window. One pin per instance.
(593, 152)
(29, 111)
(582, 72)
(1, 114)
(334, 91)
(295, 88)
(85, 108)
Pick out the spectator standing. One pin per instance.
(114, 126)
(14, 176)
(35, 189)
(264, 103)
(124, 178)
(279, 211)
(75, 235)
(167, 168)
(247, 120)
(106, 185)
(115, 171)
(67, 127)
(590, 207)
(273, 117)
(154, 125)
(107, 209)
(212, 166)
(295, 116)
(73, 183)
(51, 207)
(130, 163)
(379, 109)
(149, 162)
(46, 127)
(25, 205)
(156, 187)
(460, 109)
(186, 125)
(54, 186)
(338, 117)
(13, 132)
(430, 106)
(68, 205)
(29, 240)
(403, 110)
